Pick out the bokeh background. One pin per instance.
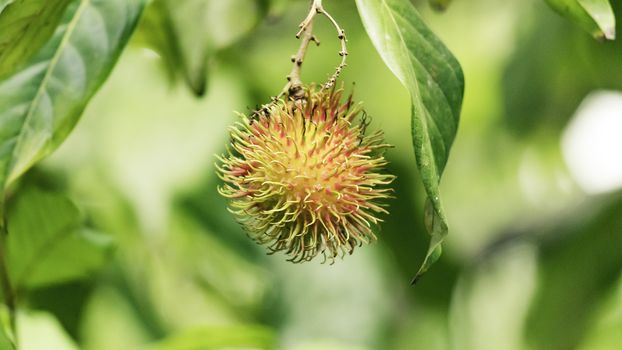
(531, 191)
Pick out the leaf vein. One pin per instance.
(42, 85)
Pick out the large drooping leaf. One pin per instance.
(594, 16)
(47, 242)
(436, 85)
(41, 103)
(186, 34)
(25, 26)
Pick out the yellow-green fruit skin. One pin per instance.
(303, 177)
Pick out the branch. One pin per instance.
(341, 35)
(294, 86)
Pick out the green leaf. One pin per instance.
(156, 31)
(594, 16)
(41, 103)
(552, 69)
(25, 26)
(186, 34)
(436, 85)
(47, 242)
(214, 338)
(189, 20)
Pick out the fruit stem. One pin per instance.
(294, 85)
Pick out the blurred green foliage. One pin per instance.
(551, 72)
(533, 262)
(48, 243)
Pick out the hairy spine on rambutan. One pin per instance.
(301, 174)
(303, 177)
